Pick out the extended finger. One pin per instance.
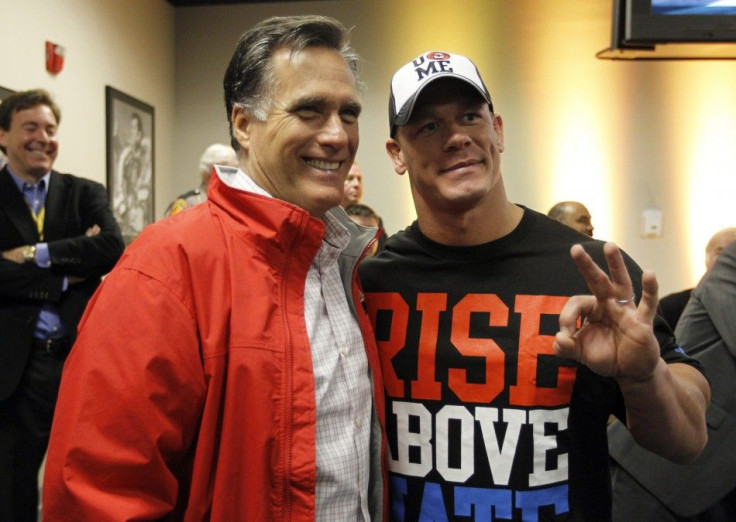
(596, 279)
(649, 294)
(619, 274)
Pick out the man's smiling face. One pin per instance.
(31, 142)
(451, 148)
(302, 151)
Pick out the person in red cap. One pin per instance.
(504, 344)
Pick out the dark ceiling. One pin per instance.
(187, 3)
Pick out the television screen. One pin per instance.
(694, 7)
(649, 22)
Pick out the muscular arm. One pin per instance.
(665, 403)
(666, 413)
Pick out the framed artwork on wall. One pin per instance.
(3, 93)
(130, 161)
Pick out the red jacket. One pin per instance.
(189, 394)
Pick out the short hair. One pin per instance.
(249, 79)
(23, 100)
(214, 154)
(359, 209)
(558, 211)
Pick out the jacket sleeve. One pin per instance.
(93, 256)
(129, 406)
(708, 316)
(28, 283)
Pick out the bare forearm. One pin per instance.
(666, 414)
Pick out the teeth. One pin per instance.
(324, 165)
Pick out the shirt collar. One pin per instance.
(336, 234)
(20, 183)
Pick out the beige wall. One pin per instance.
(619, 136)
(128, 45)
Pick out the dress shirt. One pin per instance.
(343, 389)
(49, 324)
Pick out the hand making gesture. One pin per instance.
(616, 338)
(665, 403)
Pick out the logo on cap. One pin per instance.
(438, 55)
(440, 63)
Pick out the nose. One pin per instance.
(458, 138)
(333, 132)
(42, 135)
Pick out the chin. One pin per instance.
(318, 206)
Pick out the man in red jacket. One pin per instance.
(225, 370)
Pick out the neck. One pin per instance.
(471, 228)
(487, 220)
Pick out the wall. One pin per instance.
(128, 45)
(620, 136)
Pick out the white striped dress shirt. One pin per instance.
(343, 386)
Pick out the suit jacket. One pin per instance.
(707, 330)
(671, 306)
(72, 206)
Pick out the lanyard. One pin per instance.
(33, 200)
(38, 218)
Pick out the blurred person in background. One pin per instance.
(574, 215)
(215, 154)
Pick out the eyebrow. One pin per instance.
(319, 101)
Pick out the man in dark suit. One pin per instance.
(671, 306)
(57, 238)
(647, 487)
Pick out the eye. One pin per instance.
(307, 112)
(471, 117)
(349, 116)
(350, 113)
(430, 126)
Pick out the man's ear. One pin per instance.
(498, 129)
(397, 158)
(241, 121)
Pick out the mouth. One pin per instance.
(460, 165)
(40, 152)
(323, 164)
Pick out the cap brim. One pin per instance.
(404, 114)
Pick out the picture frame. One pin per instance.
(4, 91)
(130, 161)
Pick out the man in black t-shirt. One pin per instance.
(497, 391)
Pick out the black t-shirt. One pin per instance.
(484, 422)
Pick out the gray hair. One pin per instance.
(249, 79)
(216, 154)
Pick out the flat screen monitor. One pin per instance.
(649, 22)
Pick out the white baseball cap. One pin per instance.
(409, 81)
